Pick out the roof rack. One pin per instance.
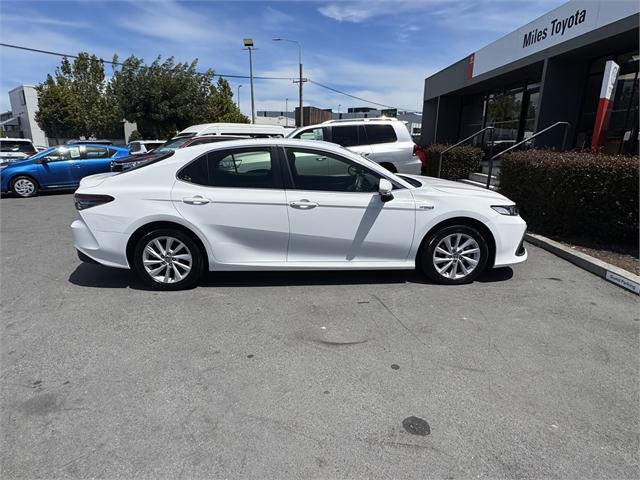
(390, 119)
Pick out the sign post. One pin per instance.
(607, 94)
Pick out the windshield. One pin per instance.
(17, 147)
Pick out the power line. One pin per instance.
(58, 54)
(359, 98)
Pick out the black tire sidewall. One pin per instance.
(24, 177)
(190, 280)
(426, 260)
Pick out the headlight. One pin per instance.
(510, 210)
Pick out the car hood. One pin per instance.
(456, 188)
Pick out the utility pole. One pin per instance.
(248, 43)
(300, 80)
(286, 112)
(239, 98)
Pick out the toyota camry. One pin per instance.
(280, 204)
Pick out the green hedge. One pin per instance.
(457, 163)
(574, 193)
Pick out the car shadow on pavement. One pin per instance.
(98, 276)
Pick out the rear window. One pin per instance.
(144, 163)
(17, 147)
(380, 134)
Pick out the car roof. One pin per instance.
(8, 139)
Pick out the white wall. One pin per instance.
(24, 104)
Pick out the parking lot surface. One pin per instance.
(530, 372)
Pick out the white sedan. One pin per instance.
(279, 204)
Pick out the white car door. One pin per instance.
(337, 215)
(235, 197)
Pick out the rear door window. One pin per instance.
(380, 134)
(241, 168)
(345, 135)
(93, 153)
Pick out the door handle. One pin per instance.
(196, 200)
(303, 204)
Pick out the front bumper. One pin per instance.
(508, 233)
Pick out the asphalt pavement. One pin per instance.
(530, 372)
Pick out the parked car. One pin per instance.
(57, 167)
(15, 149)
(278, 204)
(383, 140)
(234, 129)
(132, 161)
(140, 147)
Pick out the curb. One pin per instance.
(611, 273)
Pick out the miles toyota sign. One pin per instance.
(565, 22)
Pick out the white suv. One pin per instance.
(383, 140)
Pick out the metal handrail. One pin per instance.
(525, 140)
(463, 141)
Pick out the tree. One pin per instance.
(166, 97)
(222, 108)
(76, 101)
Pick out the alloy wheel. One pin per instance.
(456, 256)
(24, 187)
(167, 260)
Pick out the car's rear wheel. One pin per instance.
(24, 186)
(455, 255)
(167, 259)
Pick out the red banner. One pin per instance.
(607, 94)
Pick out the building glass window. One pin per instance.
(622, 131)
(503, 113)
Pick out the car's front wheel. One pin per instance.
(24, 187)
(455, 255)
(167, 259)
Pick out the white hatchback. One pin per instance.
(278, 204)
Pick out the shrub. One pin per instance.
(457, 163)
(135, 135)
(574, 193)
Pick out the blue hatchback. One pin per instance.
(57, 167)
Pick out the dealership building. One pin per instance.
(550, 70)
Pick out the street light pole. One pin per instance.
(248, 43)
(239, 98)
(300, 80)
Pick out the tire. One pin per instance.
(441, 258)
(178, 267)
(24, 186)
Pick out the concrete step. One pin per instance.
(495, 171)
(482, 178)
(477, 184)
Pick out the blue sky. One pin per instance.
(379, 50)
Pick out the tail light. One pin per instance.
(84, 201)
(419, 151)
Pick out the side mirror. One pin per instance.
(45, 160)
(384, 188)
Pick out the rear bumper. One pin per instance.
(105, 248)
